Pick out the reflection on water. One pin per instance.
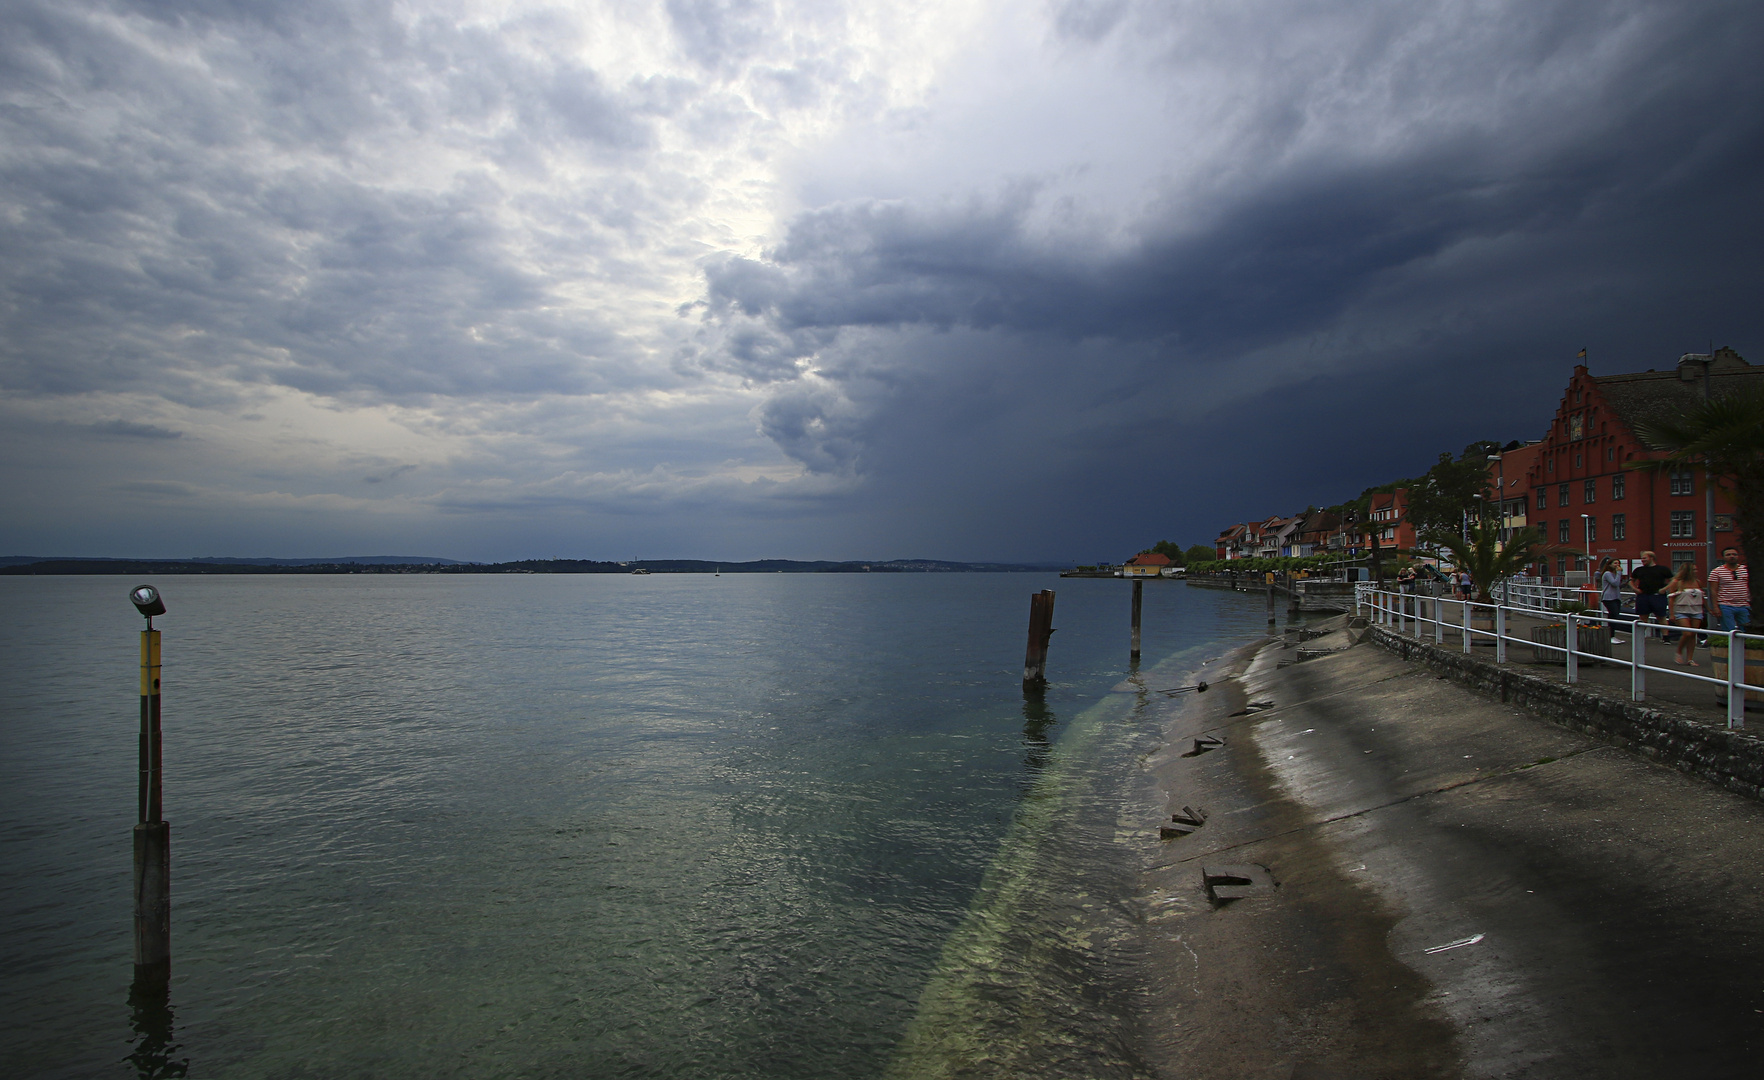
(1038, 720)
(155, 1049)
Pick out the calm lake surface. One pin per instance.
(778, 826)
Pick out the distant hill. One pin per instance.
(410, 564)
(216, 560)
(363, 560)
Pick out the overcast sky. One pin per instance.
(731, 279)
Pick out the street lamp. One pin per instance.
(1586, 538)
(1500, 461)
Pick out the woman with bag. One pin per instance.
(1686, 606)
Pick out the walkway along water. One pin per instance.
(1432, 882)
(1630, 693)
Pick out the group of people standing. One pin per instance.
(1678, 599)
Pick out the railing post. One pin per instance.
(1438, 621)
(1736, 696)
(1500, 633)
(1638, 671)
(1466, 631)
(1572, 640)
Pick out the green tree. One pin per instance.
(1725, 435)
(1439, 500)
(1487, 559)
(1200, 553)
(1170, 548)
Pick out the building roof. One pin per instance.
(1651, 397)
(1515, 464)
(1150, 558)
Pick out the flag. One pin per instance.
(1581, 354)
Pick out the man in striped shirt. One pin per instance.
(1731, 591)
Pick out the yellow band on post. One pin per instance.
(149, 663)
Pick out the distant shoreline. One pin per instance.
(523, 566)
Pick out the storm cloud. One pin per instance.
(736, 278)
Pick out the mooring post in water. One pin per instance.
(1270, 599)
(1040, 629)
(152, 832)
(1138, 596)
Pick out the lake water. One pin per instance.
(767, 826)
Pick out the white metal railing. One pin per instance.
(1429, 616)
(1529, 596)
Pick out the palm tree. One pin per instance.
(1725, 435)
(1487, 559)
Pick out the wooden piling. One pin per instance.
(1040, 630)
(1138, 598)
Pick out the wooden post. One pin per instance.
(152, 834)
(1040, 629)
(1271, 603)
(1138, 597)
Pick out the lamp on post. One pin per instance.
(152, 834)
(1586, 539)
(1500, 461)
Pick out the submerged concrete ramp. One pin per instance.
(1396, 877)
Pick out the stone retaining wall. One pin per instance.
(1732, 759)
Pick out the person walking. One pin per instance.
(1684, 598)
(1732, 591)
(1648, 580)
(1611, 597)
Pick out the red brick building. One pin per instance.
(1581, 494)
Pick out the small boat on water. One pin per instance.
(640, 570)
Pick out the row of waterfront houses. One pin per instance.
(1573, 483)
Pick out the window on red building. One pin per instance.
(1590, 491)
(1619, 528)
(1617, 486)
(1562, 495)
(1543, 499)
(1684, 524)
(1680, 481)
(1562, 531)
(1592, 531)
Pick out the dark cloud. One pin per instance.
(1268, 312)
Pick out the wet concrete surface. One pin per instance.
(1460, 889)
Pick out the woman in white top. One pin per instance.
(1684, 597)
(1611, 596)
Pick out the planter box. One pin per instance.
(1595, 639)
(1754, 672)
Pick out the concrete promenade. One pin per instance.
(1434, 883)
